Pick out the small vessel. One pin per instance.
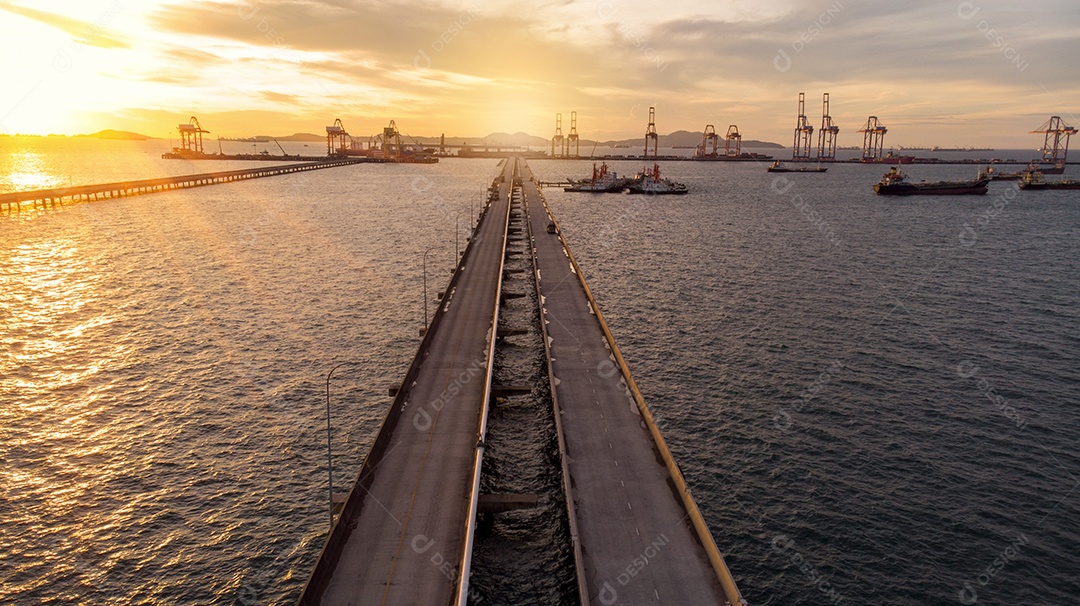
(1034, 180)
(780, 167)
(994, 175)
(889, 158)
(650, 182)
(896, 183)
(602, 180)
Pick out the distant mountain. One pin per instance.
(302, 137)
(119, 135)
(269, 138)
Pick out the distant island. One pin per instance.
(117, 135)
(307, 137)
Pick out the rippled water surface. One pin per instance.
(867, 397)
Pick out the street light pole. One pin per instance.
(457, 252)
(425, 285)
(329, 452)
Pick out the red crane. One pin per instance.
(804, 133)
(873, 139)
(733, 135)
(650, 133)
(710, 143)
(826, 148)
(1054, 150)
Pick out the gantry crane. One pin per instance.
(650, 133)
(336, 138)
(391, 141)
(733, 136)
(557, 139)
(572, 138)
(1054, 150)
(191, 136)
(710, 143)
(826, 147)
(873, 139)
(804, 133)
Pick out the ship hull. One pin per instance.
(1051, 185)
(970, 188)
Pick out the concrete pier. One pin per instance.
(642, 538)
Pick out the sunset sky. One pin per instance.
(936, 73)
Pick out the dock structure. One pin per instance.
(405, 533)
(14, 201)
(405, 530)
(641, 537)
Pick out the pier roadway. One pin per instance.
(402, 533)
(641, 537)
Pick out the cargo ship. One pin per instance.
(1034, 180)
(889, 158)
(896, 183)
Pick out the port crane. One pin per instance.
(191, 136)
(803, 133)
(733, 136)
(391, 141)
(873, 139)
(336, 138)
(1056, 140)
(650, 134)
(572, 138)
(710, 143)
(557, 140)
(826, 148)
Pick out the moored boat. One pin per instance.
(650, 182)
(780, 167)
(889, 158)
(896, 183)
(995, 175)
(1034, 180)
(602, 180)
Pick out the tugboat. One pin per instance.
(601, 181)
(649, 182)
(780, 167)
(896, 183)
(1034, 180)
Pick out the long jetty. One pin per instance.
(629, 501)
(404, 535)
(14, 201)
(413, 506)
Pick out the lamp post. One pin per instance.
(329, 452)
(457, 251)
(425, 284)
